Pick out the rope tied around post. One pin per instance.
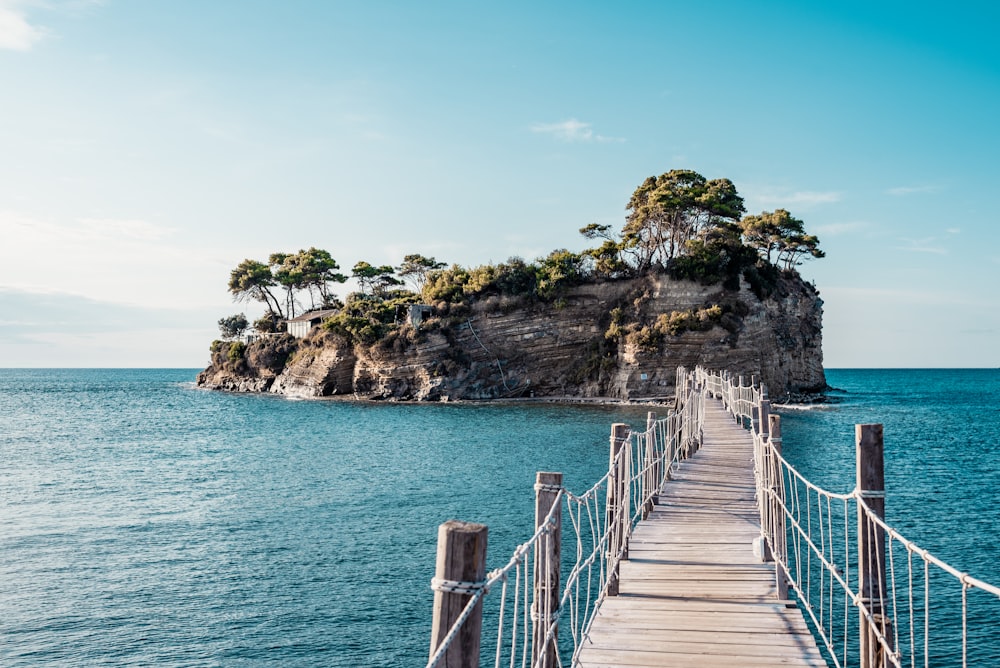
(463, 587)
(542, 487)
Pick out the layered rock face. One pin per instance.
(568, 348)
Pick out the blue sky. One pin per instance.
(146, 148)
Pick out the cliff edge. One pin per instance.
(616, 339)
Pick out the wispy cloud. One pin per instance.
(925, 245)
(902, 191)
(139, 230)
(573, 130)
(802, 197)
(836, 229)
(953, 230)
(16, 33)
(127, 261)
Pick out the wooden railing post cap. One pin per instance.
(460, 526)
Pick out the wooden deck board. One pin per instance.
(692, 591)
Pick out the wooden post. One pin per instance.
(547, 563)
(652, 467)
(777, 515)
(739, 402)
(461, 557)
(871, 543)
(614, 523)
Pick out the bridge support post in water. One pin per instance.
(547, 561)
(616, 512)
(461, 562)
(871, 546)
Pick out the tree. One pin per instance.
(286, 274)
(415, 268)
(607, 257)
(779, 238)
(317, 270)
(232, 327)
(312, 270)
(557, 271)
(667, 211)
(374, 281)
(252, 280)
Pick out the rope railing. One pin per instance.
(874, 598)
(843, 561)
(549, 591)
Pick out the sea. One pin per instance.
(145, 522)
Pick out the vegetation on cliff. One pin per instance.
(679, 225)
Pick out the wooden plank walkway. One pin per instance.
(692, 592)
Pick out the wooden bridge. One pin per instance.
(692, 592)
(685, 552)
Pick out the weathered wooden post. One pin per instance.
(871, 544)
(777, 514)
(763, 413)
(656, 461)
(461, 560)
(547, 562)
(616, 498)
(739, 401)
(649, 475)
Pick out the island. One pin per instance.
(689, 279)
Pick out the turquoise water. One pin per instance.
(143, 522)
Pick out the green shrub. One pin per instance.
(236, 350)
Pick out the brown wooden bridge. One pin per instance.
(691, 591)
(685, 552)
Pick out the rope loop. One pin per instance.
(459, 586)
(870, 493)
(542, 487)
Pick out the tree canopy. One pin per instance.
(311, 272)
(680, 223)
(691, 226)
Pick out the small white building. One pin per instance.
(300, 326)
(418, 313)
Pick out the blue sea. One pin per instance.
(145, 522)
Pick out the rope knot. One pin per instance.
(459, 586)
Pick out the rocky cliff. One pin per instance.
(620, 339)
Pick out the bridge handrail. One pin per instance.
(834, 560)
(816, 563)
(527, 629)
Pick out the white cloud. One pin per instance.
(139, 230)
(836, 229)
(925, 245)
(910, 190)
(804, 198)
(572, 130)
(953, 230)
(15, 31)
(116, 260)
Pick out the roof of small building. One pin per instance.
(309, 316)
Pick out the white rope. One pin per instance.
(459, 587)
(816, 563)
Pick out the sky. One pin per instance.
(146, 148)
